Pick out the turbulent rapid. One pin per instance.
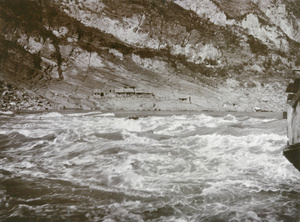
(107, 167)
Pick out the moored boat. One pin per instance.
(292, 153)
(292, 150)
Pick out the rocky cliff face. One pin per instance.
(228, 55)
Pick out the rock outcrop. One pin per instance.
(229, 55)
(14, 98)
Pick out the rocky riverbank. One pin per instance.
(14, 98)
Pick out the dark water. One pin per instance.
(98, 167)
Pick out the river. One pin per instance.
(93, 166)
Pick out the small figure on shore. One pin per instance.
(190, 98)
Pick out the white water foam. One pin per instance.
(174, 168)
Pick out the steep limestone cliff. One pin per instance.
(228, 55)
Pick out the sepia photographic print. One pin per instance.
(150, 110)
